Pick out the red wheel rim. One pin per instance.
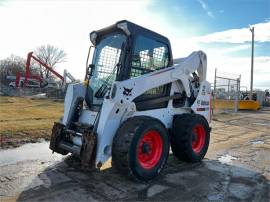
(150, 149)
(198, 139)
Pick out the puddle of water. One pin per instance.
(256, 142)
(226, 158)
(234, 121)
(260, 124)
(31, 151)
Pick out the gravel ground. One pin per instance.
(237, 167)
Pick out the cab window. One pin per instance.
(148, 55)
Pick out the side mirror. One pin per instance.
(88, 67)
(91, 68)
(89, 71)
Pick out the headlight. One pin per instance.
(124, 27)
(93, 37)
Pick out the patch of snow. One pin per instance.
(226, 158)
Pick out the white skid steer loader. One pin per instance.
(136, 102)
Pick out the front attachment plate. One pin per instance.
(56, 138)
(88, 147)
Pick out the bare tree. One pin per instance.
(10, 66)
(51, 56)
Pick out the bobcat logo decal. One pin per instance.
(127, 91)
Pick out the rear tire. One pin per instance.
(140, 148)
(190, 137)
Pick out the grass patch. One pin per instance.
(27, 118)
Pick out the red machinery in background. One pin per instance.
(22, 81)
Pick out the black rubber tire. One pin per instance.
(125, 145)
(182, 134)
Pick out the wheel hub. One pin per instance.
(194, 137)
(150, 149)
(198, 138)
(146, 148)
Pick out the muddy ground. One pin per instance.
(236, 168)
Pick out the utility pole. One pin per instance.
(214, 93)
(252, 62)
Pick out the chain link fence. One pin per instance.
(52, 93)
(226, 92)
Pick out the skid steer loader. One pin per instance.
(136, 103)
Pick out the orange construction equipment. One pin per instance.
(28, 75)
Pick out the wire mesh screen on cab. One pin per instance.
(107, 61)
(149, 55)
(106, 69)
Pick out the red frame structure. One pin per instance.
(35, 77)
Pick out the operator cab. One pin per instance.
(122, 51)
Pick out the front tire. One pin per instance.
(190, 137)
(140, 148)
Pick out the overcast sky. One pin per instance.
(220, 28)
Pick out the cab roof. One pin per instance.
(134, 30)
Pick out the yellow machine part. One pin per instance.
(243, 104)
